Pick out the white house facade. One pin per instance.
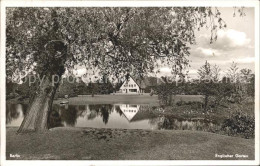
(131, 87)
(129, 110)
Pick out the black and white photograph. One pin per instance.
(130, 82)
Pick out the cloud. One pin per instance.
(227, 40)
(208, 51)
(233, 38)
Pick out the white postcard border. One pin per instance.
(27, 3)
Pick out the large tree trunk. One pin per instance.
(40, 103)
(39, 106)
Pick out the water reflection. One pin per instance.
(171, 123)
(103, 110)
(15, 114)
(129, 110)
(127, 116)
(54, 119)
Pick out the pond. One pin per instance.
(124, 116)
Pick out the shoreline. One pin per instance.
(115, 99)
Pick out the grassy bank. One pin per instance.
(126, 99)
(116, 99)
(119, 144)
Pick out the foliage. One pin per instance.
(241, 83)
(233, 88)
(240, 123)
(206, 85)
(21, 90)
(113, 41)
(193, 104)
(104, 88)
(251, 86)
(67, 88)
(233, 74)
(247, 82)
(10, 87)
(189, 88)
(165, 91)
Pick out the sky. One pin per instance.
(235, 43)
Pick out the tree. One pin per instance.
(66, 88)
(165, 92)
(237, 78)
(233, 73)
(217, 86)
(111, 41)
(246, 81)
(251, 86)
(206, 84)
(215, 73)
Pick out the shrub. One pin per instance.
(239, 123)
(12, 96)
(165, 92)
(192, 104)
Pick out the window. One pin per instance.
(132, 90)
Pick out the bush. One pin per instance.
(165, 93)
(12, 96)
(239, 123)
(193, 104)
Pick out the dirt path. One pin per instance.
(120, 144)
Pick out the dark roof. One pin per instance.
(142, 115)
(145, 81)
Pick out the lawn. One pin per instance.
(120, 144)
(126, 99)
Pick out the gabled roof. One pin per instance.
(143, 114)
(144, 82)
(140, 82)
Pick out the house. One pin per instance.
(129, 110)
(132, 86)
(144, 113)
(135, 112)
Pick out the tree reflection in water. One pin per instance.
(13, 112)
(102, 110)
(118, 110)
(61, 114)
(173, 123)
(54, 119)
(67, 115)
